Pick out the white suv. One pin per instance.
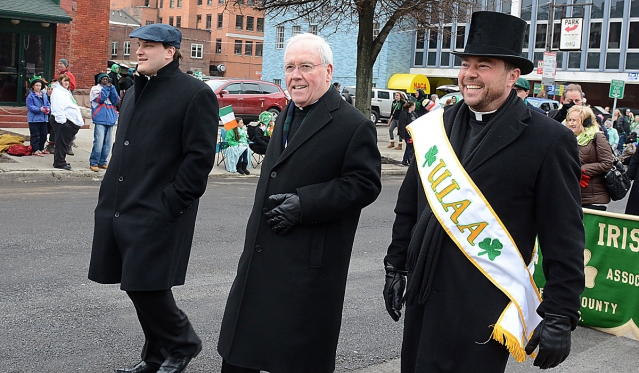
(381, 100)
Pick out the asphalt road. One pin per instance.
(53, 319)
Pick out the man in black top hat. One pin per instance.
(524, 169)
(148, 201)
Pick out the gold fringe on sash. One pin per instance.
(502, 336)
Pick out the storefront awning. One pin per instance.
(409, 82)
(33, 10)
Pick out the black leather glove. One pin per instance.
(286, 215)
(564, 109)
(552, 335)
(394, 290)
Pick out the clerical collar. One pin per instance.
(482, 116)
(307, 107)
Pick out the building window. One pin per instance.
(594, 46)
(198, 21)
(209, 2)
(431, 56)
(220, 1)
(259, 48)
(240, 2)
(171, 21)
(161, 4)
(126, 48)
(179, 3)
(147, 2)
(375, 29)
(196, 50)
(250, 2)
(279, 37)
(297, 30)
(171, 3)
(632, 57)
(218, 46)
(178, 21)
(159, 19)
(114, 48)
(208, 21)
(312, 29)
(238, 47)
(278, 82)
(446, 45)
(614, 44)
(419, 48)
(199, 2)
(239, 22)
(260, 25)
(249, 23)
(248, 48)
(149, 23)
(220, 20)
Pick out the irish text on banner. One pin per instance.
(610, 301)
(228, 118)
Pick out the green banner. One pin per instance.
(610, 301)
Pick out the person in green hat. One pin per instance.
(115, 76)
(262, 136)
(522, 87)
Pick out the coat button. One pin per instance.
(117, 214)
(126, 143)
(120, 178)
(258, 248)
(273, 174)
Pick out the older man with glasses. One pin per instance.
(322, 166)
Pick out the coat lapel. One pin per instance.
(506, 130)
(317, 119)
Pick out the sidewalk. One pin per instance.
(33, 168)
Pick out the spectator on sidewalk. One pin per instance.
(522, 87)
(407, 116)
(573, 95)
(63, 68)
(114, 76)
(393, 121)
(238, 152)
(38, 116)
(260, 139)
(103, 98)
(620, 123)
(613, 135)
(66, 119)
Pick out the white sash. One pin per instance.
(467, 217)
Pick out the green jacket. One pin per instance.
(232, 141)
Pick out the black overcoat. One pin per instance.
(284, 309)
(164, 150)
(632, 206)
(528, 169)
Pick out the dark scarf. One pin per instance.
(428, 235)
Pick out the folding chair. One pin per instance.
(220, 146)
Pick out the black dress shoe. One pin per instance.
(177, 365)
(65, 167)
(142, 367)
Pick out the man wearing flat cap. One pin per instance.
(148, 200)
(522, 87)
(490, 177)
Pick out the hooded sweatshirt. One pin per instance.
(103, 99)
(64, 107)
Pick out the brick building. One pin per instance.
(195, 48)
(34, 35)
(235, 33)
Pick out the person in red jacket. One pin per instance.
(63, 68)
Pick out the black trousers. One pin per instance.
(167, 330)
(228, 368)
(64, 133)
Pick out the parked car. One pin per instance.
(249, 97)
(381, 100)
(543, 103)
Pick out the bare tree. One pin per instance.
(363, 14)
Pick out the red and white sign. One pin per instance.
(571, 29)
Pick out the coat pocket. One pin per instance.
(317, 247)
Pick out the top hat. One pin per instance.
(497, 35)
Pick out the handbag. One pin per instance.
(617, 180)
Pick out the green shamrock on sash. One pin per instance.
(491, 247)
(430, 156)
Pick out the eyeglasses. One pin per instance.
(303, 68)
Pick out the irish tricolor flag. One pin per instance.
(227, 117)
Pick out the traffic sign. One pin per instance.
(616, 89)
(570, 38)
